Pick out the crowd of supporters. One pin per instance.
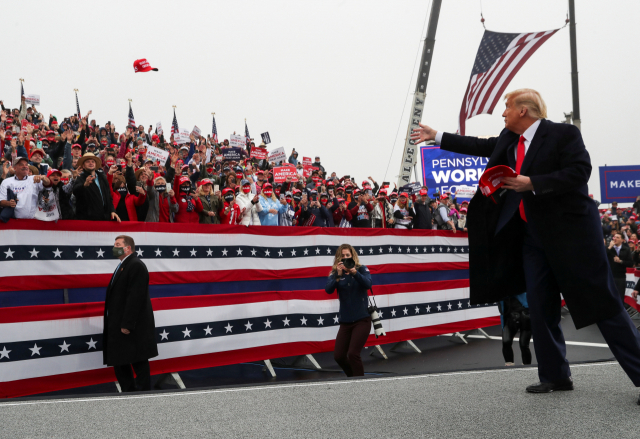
(77, 169)
(620, 232)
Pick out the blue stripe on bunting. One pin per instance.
(86, 295)
(26, 350)
(92, 252)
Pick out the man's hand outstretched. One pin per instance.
(423, 134)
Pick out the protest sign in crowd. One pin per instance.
(75, 168)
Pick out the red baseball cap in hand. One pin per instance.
(141, 65)
(491, 179)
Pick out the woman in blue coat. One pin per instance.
(271, 206)
(355, 322)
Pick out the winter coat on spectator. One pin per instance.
(184, 215)
(93, 204)
(423, 218)
(339, 214)
(293, 160)
(131, 201)
(250, 215)
(63, 193)
(233, 216)
(620, 269)
(360, 213)
(267, 218)
(321, 216)
(166, 207)
(212, 204)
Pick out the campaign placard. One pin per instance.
(280, 173)
(157, 154)
(411, 188)
(196, 131)
(465, 191)
(32, 99)
(232, 154)
(306, 161)
(259, 153)
(445, 171)
(277, 155)
(266, 138)
(159, 128)
(619, 183)
(236, 141)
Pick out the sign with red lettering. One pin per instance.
(259, 153)
(306, 161)
(280, 173)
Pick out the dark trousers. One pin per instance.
(349, 343)
(124, 374)
(543, 295)
(621, 285)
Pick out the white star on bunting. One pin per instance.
(209, 252)
(9, 254)
(64, 346)
(317, 251)
(320, 321)
(35, 350)
(267, 253)
(304, 321)
(428, 308)
(371, 251)
(34, 253)
(158, 252)
(439, 307)
(57, 254)
(360, 251)
(164, 335)
(267, 324)
(193, 252)
(280, 253)
(449, 305)
(405, 310)
(224, 252)
(176, 252)
(336, 319)
(417, 310)
(253, 252)
(228, 328)
(459, 305)
(393, 312)
(79, 253)
(306, 252)
(91, 343)
(239, 252)
(207, 330)
(187, 332)
(100, 253)
(248, 326)
(4, 352)
(286, 321)
(293, 252)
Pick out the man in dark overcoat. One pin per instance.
(541, 233)
(129, 328)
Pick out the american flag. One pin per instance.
(214, 130)
(132, 121)
(221, 295)
(500, 56)
(21, 90)
(246, 133)
(174, 124)
(78, 106)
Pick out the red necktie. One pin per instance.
(519, 160)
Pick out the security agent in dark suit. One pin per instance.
(620, 259)
(517, 243)
(129, 328)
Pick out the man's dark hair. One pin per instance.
(128, 242)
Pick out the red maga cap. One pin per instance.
(491, 179)
(141, 65)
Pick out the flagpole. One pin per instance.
(575, 92)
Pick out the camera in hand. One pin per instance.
(348, 263)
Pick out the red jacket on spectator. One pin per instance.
(233, 217)
(183, 216)
(164, 214)
(339, 214)
(131, 201)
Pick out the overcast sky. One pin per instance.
(329, 78)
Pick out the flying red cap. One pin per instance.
(491, 179)
(404, 194)
(423, 192)
(37, 151)
(53, 171)
(183, 180)
(141, 65)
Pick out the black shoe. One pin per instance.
(551, 387)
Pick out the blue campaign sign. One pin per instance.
(619, 183)
(445, 171)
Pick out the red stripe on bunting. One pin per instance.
(134, 226)
(31, 386)
(36, 282)
(83, 310)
